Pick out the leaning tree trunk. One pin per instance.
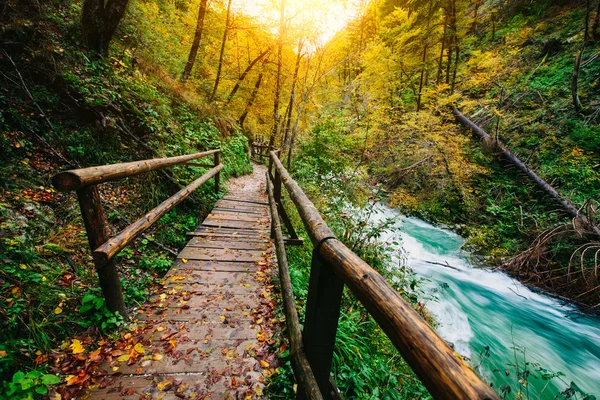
(220, 66)
(196, 43)
(575, 83)
(246, 71)
(251, 100)
(99, 22)
(566, 204)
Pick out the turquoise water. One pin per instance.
(478, 308)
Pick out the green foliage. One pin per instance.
(27, 386)
(95, 312)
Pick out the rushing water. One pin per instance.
(477, 307)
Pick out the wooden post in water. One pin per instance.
(321, 319)
(97, 232)
(218, 175)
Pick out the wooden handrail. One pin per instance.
(78, 178)
(85, 181)
(113, 246)
(302, 369)
(445, 374)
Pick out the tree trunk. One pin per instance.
(99, 21)
(289, 110)
(457, 53)
(596, 25)
(421, 80)
(566, 204)
(478, 4)
(196, 43)
(574, 81)
(220, 66)
(246, 71)
(441, 59)
(275, 128)
(251, 100)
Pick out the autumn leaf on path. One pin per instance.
(76, 346)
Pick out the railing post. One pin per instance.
(218, 175)
(321, 319)
(97, 232)
(270, 163)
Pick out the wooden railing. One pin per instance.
(445, 374)
(259, 152)
(85, 182)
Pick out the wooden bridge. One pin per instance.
(206, 334)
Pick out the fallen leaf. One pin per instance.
(58, 310)
(76, 346)
(164, 386)
(139, 348)
(157, 357)
(123, 358)
(264, 364)
(183, 260)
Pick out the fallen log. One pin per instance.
(565, 204)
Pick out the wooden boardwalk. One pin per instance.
(204, 335)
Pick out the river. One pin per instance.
(478, 308)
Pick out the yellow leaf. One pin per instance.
(115, 369)
(157, 357)
(222, 317)
(3, 354)
(184, 260)
(246, 285)
(58, 310)
(76, 346)
(160, 328)
(123, 358)
(264, 364)
(164, 385)
(139, 348)
(69, 377)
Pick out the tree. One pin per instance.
(275, 128)
(99, 21)
(222, 53)
(196, 43)
(288, 112)
(251, 99)
(246, 71)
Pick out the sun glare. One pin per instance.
(316, 19)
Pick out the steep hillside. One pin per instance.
(62, 108)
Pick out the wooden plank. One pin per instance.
(224, 266)
(245, 279)
(228, 237)
(225, 216)
(226, 244)
(233, 231)
(198, 253)
(246, 200)
(226, 210)
(238, 203)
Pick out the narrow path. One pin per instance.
(206, 334)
